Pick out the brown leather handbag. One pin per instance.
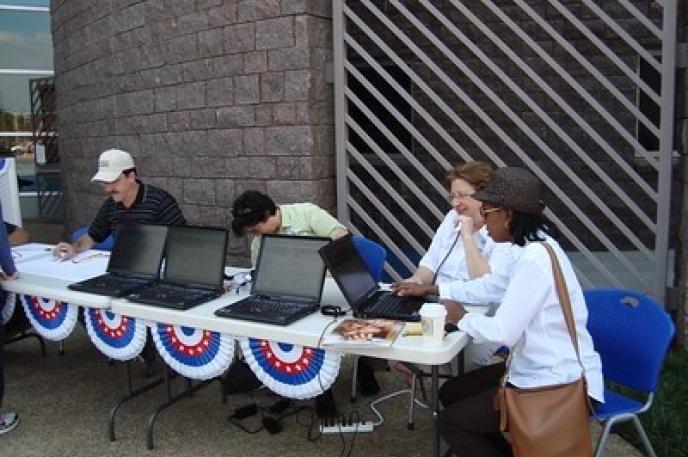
(549, 421)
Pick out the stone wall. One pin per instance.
(211, 97)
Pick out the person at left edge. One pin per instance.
(129, 200)
(8, 420)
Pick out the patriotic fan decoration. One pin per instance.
(194, 353)
(52, 319)
(7, 310)
(118, 337)
(290, 370)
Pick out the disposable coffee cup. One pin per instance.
(432, 316)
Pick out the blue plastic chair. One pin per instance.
(105, 245)
(632, 333)
(373, 255)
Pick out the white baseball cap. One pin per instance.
(111, 164)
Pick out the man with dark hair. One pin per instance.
(129, 200)
(256, 214)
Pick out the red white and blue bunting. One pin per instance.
(7, 310)
(194, 353)
(52, 319)
(118, 337)
(289, 370)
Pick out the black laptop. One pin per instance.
(359, 287)
(193, 271)
(134, 261)
(288, 281)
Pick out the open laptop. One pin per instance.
(288, 281)
(134, 261)
(359, 287)
(194, 265)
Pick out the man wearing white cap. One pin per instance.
(129, 200)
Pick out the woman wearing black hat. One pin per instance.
(529, 320)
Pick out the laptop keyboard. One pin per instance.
(167, 293)
(113, 283)
(259, 305)
(389, 304)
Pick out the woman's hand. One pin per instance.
(412, 289)
(467, 228)
(455, 310)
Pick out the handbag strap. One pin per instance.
(564, 299)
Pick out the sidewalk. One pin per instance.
(64, 404)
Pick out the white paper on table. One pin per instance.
(31, 251)
(83, 266)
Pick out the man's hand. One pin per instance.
(5, 277)
(455, 310)
(412, 289)
(64, 251)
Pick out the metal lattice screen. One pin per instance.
(579, 92)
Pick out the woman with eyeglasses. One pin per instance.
(460, 250)
(529, 320)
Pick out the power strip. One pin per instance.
(355, 427)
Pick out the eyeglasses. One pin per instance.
(452, 197)
(484, 212)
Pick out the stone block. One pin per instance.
(284, 113)
(275, 33)
(264, 115)
(220, 92)
(129, 18)
(165, 99)
(223, 15)
(197, 70)
(210, 43)
(255, 62)
(292, 140)
(224, 192)
(246, 89)
(178, 121)
(289, 59)
(254, 10)
(227, 66)
(201, 191)
(291, 191)
(272, 87)
(236, 116)
(254, 141)
(226, 142)
(202, 119)
(241, 37)
(206, 4)
(297, 85)
(181, 49)
(191, 95)
(211, 216)
(251, 167)
(242, 185)
(150, 123)
(192, 22)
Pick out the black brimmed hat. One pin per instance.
(514, 188)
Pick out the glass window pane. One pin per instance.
(14, 98)
(25, 40)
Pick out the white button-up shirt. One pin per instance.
(454, 267)
(489, 288)
(531, 322)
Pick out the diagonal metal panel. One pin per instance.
(553, 90)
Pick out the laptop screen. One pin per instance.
(196, 256)
(349, 270)
(138, 249)
(290, 266)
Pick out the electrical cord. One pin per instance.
(381, 419)
(449, 251)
